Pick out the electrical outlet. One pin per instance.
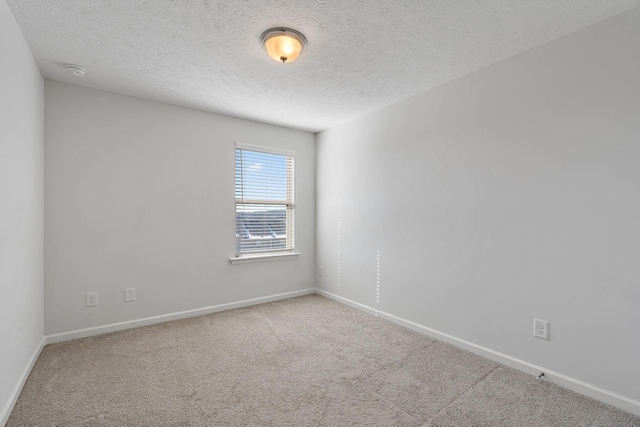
(92, 299)
(129, 294)
(320, 271)
(541, 329)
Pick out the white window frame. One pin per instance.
(267, 255)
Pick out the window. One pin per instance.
(264, 194)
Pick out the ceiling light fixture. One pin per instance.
(76, 70)
(283, 44)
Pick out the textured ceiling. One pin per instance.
(361, 54)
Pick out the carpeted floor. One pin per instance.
(305, 361)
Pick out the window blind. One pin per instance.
(264, 198)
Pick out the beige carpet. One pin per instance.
(306, 361)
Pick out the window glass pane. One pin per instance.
(260, 227)
(262, 176)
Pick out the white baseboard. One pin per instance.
(605, 396)
(114, 327)
(8, 407)
(573, 384)
(121, 326)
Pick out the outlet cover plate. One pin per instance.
(541, 329)
(92, 299)
(130, 294)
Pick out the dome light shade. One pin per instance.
(76, 69)
(283, 44)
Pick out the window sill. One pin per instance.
(245, 259)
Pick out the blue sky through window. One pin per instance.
(260, 176)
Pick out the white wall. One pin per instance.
(508, 194)
(21, 207)
(141, 194)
